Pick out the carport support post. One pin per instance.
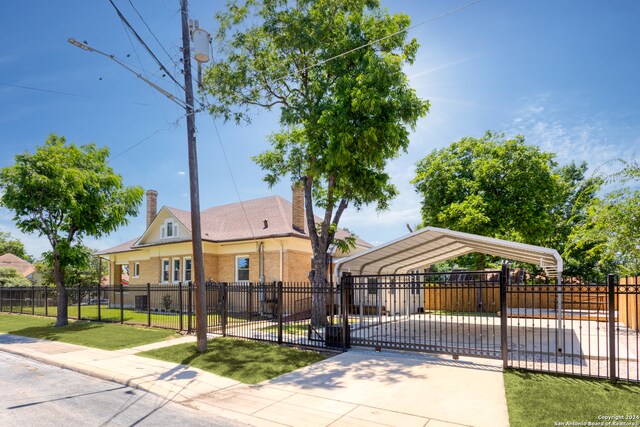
(504, 348)
(611, 284)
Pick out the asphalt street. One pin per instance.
(35, 394)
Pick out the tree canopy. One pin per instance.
(491, 186)
(335, 70)
(610, 232)
(9, 245)
(66, 192)
(9, 277)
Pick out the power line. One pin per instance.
(57, 92)
(324, 61)
(138, 143)
(153, 92)
(142, 42)
(152, 33)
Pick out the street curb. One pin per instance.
(136, 383)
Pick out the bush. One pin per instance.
(167, 301)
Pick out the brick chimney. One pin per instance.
(297, 207)
(152, 205)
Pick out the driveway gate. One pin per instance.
(579, 328)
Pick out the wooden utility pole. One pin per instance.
(196, 234)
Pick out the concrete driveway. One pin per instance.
(362, 387)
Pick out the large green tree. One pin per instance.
(9, 245)
(492, 186)
(611, 230)
(335, 70)
(9, 277)
(578, 192)
(66, 192)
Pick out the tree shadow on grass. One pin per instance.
(53, 333)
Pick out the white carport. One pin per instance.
(431, 245)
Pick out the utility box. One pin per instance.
(141, 303)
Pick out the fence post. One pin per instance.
(611, 284)
(78, 289)
(225, 308)
(189, 306)
(280, 310)
(46, 301)
(33, 297)
(10, 300)
(121, 303)
(504, 348)
(1, 294)
(344, 291)
(98, 293)
(180, 306)
(149, 304)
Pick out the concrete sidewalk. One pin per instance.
(354, 388)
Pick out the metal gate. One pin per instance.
(454, 312)
(578, 328)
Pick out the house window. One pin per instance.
(164, 276)
(242, 269)
(176, 271)
(187, 269)
(169, 229)
(136, 269)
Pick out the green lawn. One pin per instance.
(536, 399)
(295, 329)
(249, 362)
(99, 335)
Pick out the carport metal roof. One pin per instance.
(430, 245)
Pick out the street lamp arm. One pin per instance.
(88, 48)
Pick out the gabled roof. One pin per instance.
(430, 245)
(23, 267)
(241, 221)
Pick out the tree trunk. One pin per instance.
(62, 319)
(319, 291)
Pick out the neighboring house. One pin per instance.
(24, 268)
(260, 240)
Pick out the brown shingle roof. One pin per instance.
(25, 268)
(242, 221)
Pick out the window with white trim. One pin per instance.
(136, 269)
(169, 229)
(176, 270)
(242, 268)
(187, 270)
(164, 273)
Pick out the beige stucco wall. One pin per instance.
(287, 259)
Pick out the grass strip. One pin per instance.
(249, 362)
(91, 334)
(536, 399)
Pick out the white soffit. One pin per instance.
(430, 245)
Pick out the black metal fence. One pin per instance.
(579, 328)
(158, 306)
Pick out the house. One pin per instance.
(260, 240)
(24, 268)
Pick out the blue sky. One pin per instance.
(562, 73)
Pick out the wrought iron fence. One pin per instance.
(580, 328)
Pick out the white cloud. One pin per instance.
(181, 173)
(575, 133)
